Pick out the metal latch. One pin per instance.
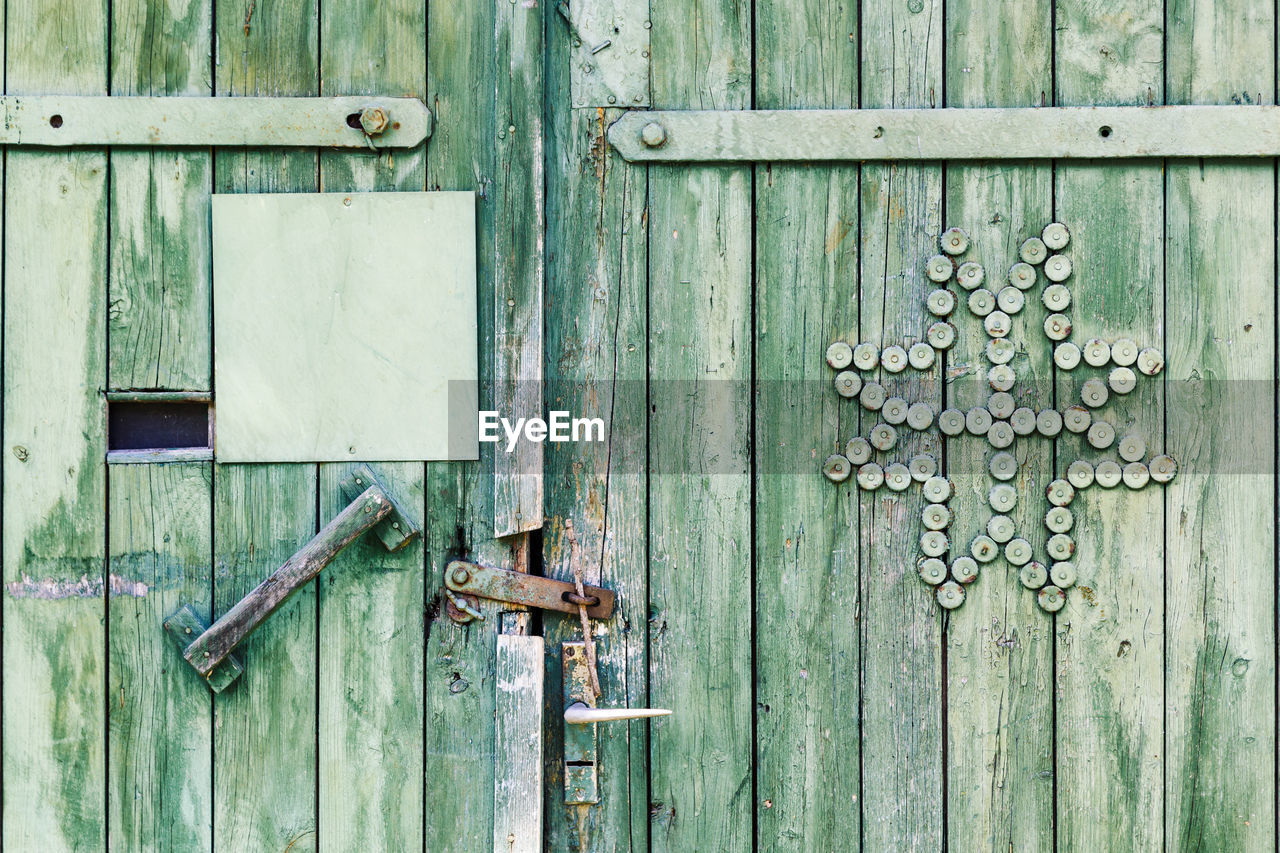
(208, 650)
(464, 582)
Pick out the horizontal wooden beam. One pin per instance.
(63, 120)
(1027, 133)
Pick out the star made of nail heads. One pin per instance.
(1000, 421)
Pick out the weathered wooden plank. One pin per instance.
(519, 259)
(517, 795)
(901, 630)
(806, 533)
(999, 644)
(372, 602)
(1220, 703)
(1110, 636)
(54, 513)
(596, 363)
(265, 726)
(701, 758)
(160, 713)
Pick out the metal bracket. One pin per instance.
(744, 136)
(469, 579)
(342, 122)
(208, 650)
(610, 56)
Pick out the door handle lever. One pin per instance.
(580, 713)
(208, 650)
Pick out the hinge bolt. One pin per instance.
(461, 575)
(374, 120)
(653, 135)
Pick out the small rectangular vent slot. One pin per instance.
(143, 425)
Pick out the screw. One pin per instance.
(374, 120)
(653, 135)
(395, 525)
(461, 575)
(186, 630)
(368, 507)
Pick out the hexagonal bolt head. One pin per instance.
(374, 120)
(461, 575)
(653, 135)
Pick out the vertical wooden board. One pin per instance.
(596, 361)
(1220, 580)
(371, 637)
(519, 727)
(54, 513)
(901, 626)
(160, 259)
(807, 644)
(700, 343)
(159, 710)
(265, 726)
(1110, 636)
(999, 643)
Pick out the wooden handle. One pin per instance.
(212, 646)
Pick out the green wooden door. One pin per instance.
(823, 700)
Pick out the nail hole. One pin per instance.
(55, 120)
(879, 132)
(1104, 131)
(353, 121)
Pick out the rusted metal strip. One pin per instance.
(948, 134)
(341, 122)
(529, 590)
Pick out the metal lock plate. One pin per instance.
(581, 781)
(610, 56)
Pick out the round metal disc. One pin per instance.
(848, 383)
(1049, 423)
(1022, 276)
(921, 356)
(1136, 475)
(937, 490)
(1001, 528)
(977, 421)
(870, 476)
(940, 302)
(883, 437)
(872, 396)
(1066, 355)
(923, 466)
(1003, 466)
(941, 335)
(1002, 497)
(1150, 361)
(1000, 404)
(1080, 474)
(997, 324)
(1060, 492)
(1001, 377)
(1000, 350)
(1122, 380)
(1060, 547)
(935, 517)
(866, 356)
(839, 355)
(964, 569)
(1101, 434)
(1124, 352)
(934, 543)
(1094, 393)
(894, 410)
(893, 359)
(932, 570)
(858, 450)
(1057, 327)
(982, 302)
(1063, 574)
(1033, 251)
(950, 595)
(897, 477)
(954, 241)
(951, 422)
(939, 268)
(1017, 552)
(1108, 474)
(1058, 519)
(970, 274)
(1033, 575)
(837, 468)
(1000, 435)
(1057, 268)
(920, 416)
(1055, 236)
(1163, 468)
(1096, 352)
(984, 549)
(1051, 599)
(1056, 297)
(1010, 300)
(1076, 419)
(1023, 421)
(1132, 448)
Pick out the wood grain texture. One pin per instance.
(806, 531)
(999, 644)
(596, 344)
(1220, 705)
(1110, 637)
(265, 727)
(160, 714)
(519, 732)
(901, 629)
(54, 513)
